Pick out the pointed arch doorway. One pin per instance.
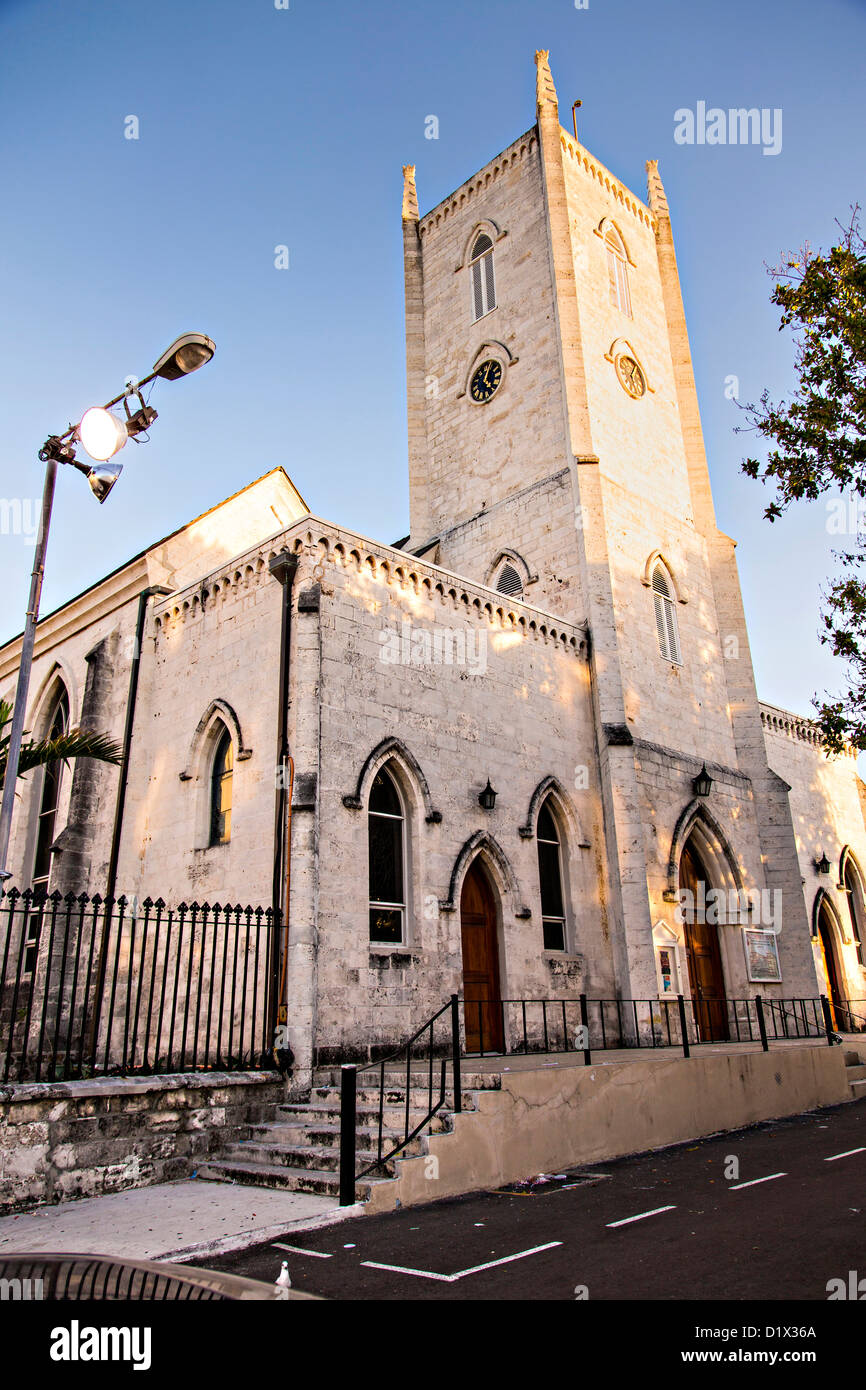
(481, 984)
(706, 977)
(830, 961)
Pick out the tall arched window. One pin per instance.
(222, 773)
(666, 617)
(617, 270)
(45, 830)
(550, 878)
(51, 778)
(854, 890)
(387, 849)
(483, 283)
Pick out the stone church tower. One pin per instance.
(555, 450)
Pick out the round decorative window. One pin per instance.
(631, 377)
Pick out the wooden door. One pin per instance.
(831, 969)
(481, 991)
(706, 977)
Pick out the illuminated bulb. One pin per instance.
(101, 433)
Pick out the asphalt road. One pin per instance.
(714, 1233)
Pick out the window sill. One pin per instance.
(388, 948)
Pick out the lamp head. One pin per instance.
(186, 354)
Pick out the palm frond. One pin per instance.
(75, 743)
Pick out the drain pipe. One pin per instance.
(120, 803)
(283, 567)
(114, 856)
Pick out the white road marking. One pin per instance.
(299, 1250)
(846, 1154)
(463, 1273)
(640, 1217)
(754, 1182)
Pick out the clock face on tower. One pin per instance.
(486, 381)
(631, 376)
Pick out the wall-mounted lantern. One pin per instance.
(487, 798)
(702, 784)
(823, 864)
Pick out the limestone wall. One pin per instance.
(516, 714)
(88, 1138)
(827, 809)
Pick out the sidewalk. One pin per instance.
(170, 1221)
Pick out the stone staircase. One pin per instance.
(855, 1070)
(299, 1149)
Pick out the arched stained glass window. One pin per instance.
(550, 878)
(50, 797)
(854, 890)
(221, 791)
(387, 850)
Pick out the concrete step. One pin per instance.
(391, 1118)
(275, 1175)
(858, 1088)
(320, 1159)
(368, 1104)
(419, 1096)
(855, 1071)
(329, 1078)
(326, 1133)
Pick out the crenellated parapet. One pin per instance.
(320, 546)
(479, 183)
(611, 185)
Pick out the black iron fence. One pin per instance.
(524, 1026)
(93, 987)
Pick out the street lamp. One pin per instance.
(101, 434)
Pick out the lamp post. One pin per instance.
(102, 435)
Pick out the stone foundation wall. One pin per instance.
(86, 1138)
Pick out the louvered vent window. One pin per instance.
(666, 619)
(510, 582)
(483, 284)
(617, 270)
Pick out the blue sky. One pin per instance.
(260, 127)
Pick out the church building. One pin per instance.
(517, 755)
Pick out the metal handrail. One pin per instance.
(349, 1100)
